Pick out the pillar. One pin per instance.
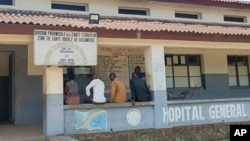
(156, 79)
(53, 117)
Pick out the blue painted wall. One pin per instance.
(173, 114)
(116, 118)
(216, 87)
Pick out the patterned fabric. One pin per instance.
(72, 100)
(72, 93)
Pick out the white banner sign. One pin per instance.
(65, 48)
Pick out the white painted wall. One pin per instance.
(158, 10)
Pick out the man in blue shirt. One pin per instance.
(139, 90)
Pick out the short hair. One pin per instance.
(138, 67)
(112, 73)
(94, 76)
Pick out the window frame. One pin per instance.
(244, 19)
(8, 3)
(236, 66)
(147, 11)
(187, 65)
(72, 4)
(188, 14)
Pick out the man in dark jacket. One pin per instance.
(139, 90)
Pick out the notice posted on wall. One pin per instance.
(65, 48)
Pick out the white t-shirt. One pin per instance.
(98, 90)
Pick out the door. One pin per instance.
(11, 99)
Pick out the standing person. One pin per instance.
(140, 74)
(139, 90)
(97, 87)
(118, 89)
(71, 91)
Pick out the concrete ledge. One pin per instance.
(107, 105)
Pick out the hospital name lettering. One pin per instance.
(197, 113)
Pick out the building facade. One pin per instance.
(195, 55)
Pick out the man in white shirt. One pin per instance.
(98, 89)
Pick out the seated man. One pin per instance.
(118, 89)
(98, 89)
(139, 90)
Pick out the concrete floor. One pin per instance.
(10, 132)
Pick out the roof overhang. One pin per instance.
(24, 22)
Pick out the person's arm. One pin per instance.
(113, 89)
(90, 85)
(66, 89)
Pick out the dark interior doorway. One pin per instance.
(7, 86)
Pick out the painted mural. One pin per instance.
(95, 119)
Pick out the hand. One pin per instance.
(132, 102)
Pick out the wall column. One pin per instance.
(155, 75)
(53, 116)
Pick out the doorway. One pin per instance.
(6, 86)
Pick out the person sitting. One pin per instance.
(139, 90)
(118, 89)
(71, 91)
(97, 87)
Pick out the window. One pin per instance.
(238, 71)
(133, 11)
(234, 19)
(188, 15)
(69, 6)
(183, 71)
(6, 2)
(82, 76)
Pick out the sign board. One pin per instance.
(65, 48)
